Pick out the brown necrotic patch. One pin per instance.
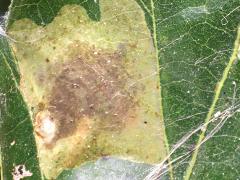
(93, 87)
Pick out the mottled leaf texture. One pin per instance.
(114, 87)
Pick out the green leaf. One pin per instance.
(18, 148)
(196, 48)
(43, 12)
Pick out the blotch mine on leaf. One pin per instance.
(92, 86)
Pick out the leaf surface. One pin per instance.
(198, 46)
(18, 148)
(194, 48)
(92, 93)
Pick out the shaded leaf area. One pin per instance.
(108, 168)
(4, 7)
(16, 132)
(195, 41)
(43, 12)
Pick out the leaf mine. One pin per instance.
(93, 87)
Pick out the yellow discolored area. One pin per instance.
(95, 83)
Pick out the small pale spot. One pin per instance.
(20, 172)
(45, 126)
(12, 143)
